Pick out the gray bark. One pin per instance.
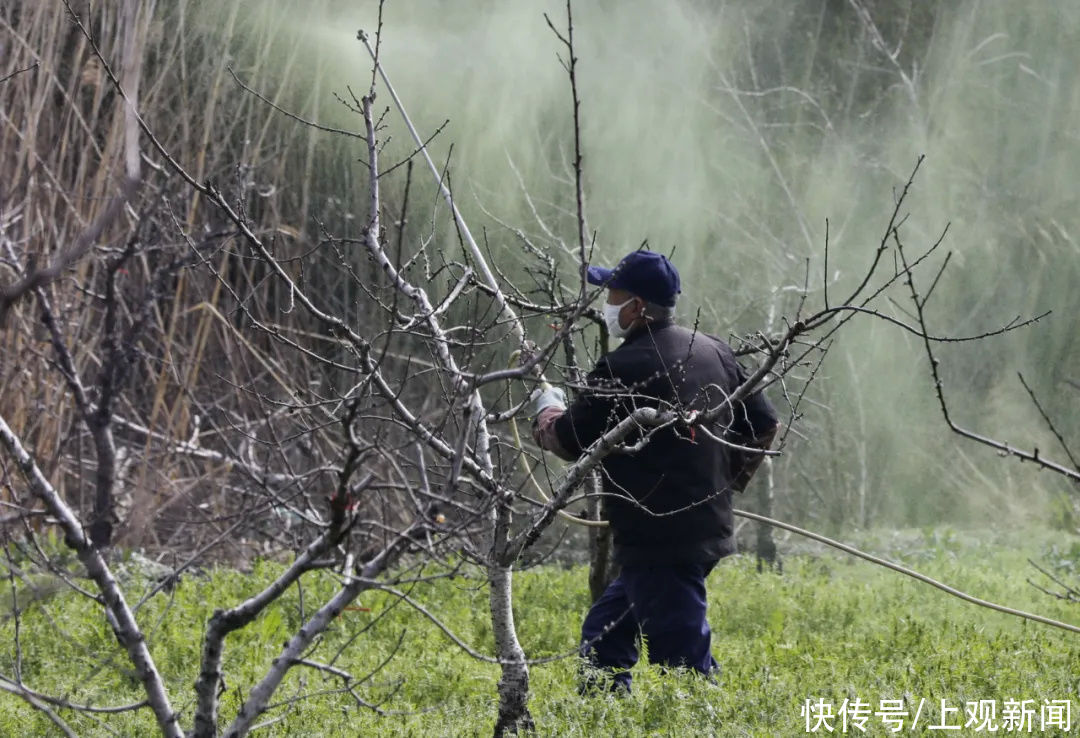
(514, 716)
(117, 612)
(602, 568)
(223, 622)
(514, 683)
(767, 552)
(294, 649)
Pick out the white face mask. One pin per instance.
(611, 317)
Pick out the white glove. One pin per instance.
(546, 397)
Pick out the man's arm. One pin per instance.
(567, 431)
(544, 432)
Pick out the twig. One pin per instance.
(1049, 422)
(34, 278)
(294, 116)
(39, 705)
(260, 694)
(19, 71)
(939, 390)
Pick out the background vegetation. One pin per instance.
(725, 133)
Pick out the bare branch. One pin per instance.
(939, 390)
(39, 277)
(260, 694)
(17, 72)
(120, 617)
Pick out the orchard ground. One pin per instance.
(829, 628)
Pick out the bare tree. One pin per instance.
(372, 431)
(324, 473)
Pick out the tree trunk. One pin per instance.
(767, 552)
(602, 568)
(514, 717)
(766, 546)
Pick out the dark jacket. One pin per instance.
(669, 502)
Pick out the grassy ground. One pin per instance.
(827, 628)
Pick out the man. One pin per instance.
(669, 503)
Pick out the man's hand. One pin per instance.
(547, 407)
(548, 396)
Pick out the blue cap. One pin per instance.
(647, 274)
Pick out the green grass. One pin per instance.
(828, 627)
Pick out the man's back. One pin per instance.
(671, 501)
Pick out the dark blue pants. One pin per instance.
(665, 604)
